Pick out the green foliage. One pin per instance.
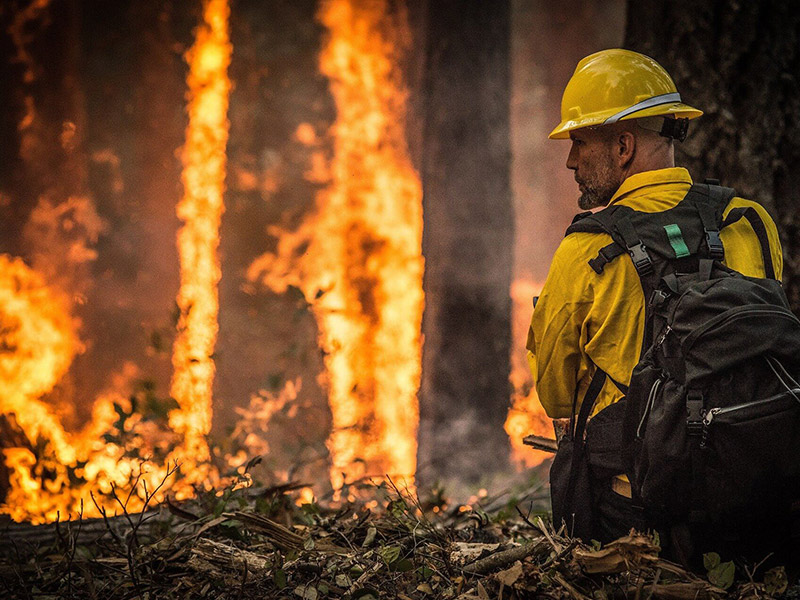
(711, 560)
(775, 581)
(233, 529)
(402, 565)
(390, 554)
(279, 578)
(721, 574)
(148, 404)
(424, 572)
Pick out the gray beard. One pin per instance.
(591, 199)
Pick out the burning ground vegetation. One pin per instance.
(377, 540)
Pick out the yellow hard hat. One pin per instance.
(614, 85)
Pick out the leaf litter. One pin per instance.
(257, 543)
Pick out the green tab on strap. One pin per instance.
(676, 240)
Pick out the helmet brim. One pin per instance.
(676, 109)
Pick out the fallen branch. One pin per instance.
(282, 537)
(501, 559)
(208, 555)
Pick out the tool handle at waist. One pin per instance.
(540, 443)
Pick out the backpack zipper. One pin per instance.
(651, 399)
(712, 413)
(662, 337)
(732, 315)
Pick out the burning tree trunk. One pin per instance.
(739, 63)
(360, 264)
(45, 293)
(200, 209)
(467, 241)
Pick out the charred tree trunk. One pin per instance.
(43, 119)
(740, 63)
(467, 240)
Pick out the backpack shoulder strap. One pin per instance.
(616, 222)
(578, 420)
(601, 221)
(710, 200)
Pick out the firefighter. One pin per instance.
(623, 114)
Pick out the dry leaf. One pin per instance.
(467, 552)
(482, 592)
(618, 556)
(370, 537)
(306, 592)
(510, 576)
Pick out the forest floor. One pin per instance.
(377, 541)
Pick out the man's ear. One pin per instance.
(625, 148)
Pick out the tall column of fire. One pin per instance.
(200, 210)
(358, 257)
(370, 245)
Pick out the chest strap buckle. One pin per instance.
(641, 259)
(694, 408)
(716, 251)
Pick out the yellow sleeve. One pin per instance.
(557, 332)
(742, 250)
(583, 319)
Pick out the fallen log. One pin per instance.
(82, 530)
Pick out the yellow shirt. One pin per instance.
(584, 319)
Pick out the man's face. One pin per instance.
(596, 172)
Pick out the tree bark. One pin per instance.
(740, 63)
(467, 240)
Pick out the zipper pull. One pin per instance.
(663, 336)
(710, 416)
(707, 418)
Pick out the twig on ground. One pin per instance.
(501, 559)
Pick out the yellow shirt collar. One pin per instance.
(649, 178)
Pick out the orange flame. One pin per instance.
(38, 341)
(200, 210)
(526, 415)
(51, 470)
(363, 267)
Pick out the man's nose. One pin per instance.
(572, 159)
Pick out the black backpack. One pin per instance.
(709, 430)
